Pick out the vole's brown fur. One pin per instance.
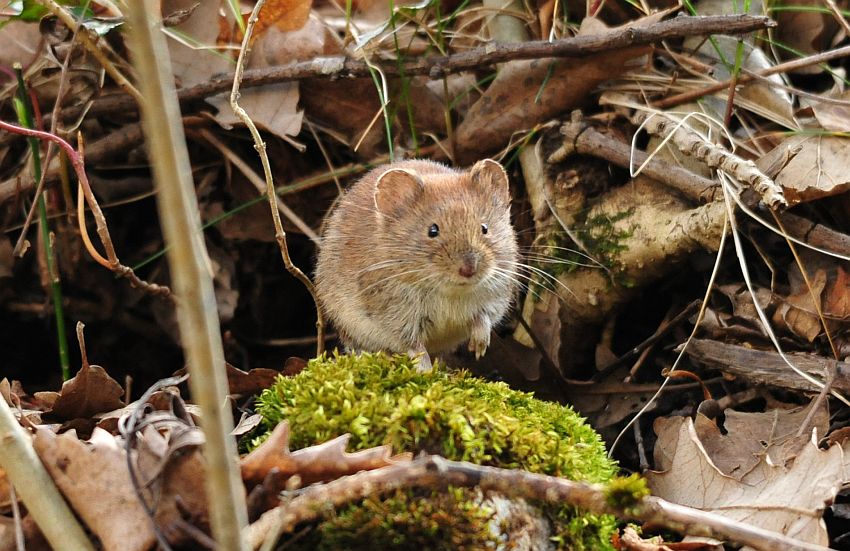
(388, 283)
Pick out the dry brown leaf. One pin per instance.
(326, 461)
(787, 499)
(286, 15)
(194, 58)
(274, 107)
(179, 484)
(798, 312)
(819, 169)
(805, 31)
(93, 478)
(837, 301)
(249, 382)
(529, 92)
(751, 436)
(90, 391)
(833, 117)
(21, 42)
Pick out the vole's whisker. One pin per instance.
(565, 249)
(392, 276)
(555, 260)
(515, 277)
(543, 274)
(383, 264)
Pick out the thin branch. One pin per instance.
(580, 137)
(786, 67)
(437, 472)
(274, 201)
(336, 67)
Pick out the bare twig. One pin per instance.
(581, 138)
(188, 261)
(437, 472)
(260, 146)
(786, 67)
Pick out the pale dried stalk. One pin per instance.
(714, 156)
(36, 488)
(436, 472)
(188, 261)
(260, 146)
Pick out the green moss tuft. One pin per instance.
(380, 399)
(626, 492)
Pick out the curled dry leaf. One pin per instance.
(90, 391)
(274, 107)
(785, 490)
(326, 461)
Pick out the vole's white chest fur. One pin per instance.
(447, 316)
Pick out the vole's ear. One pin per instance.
(397, 189)
(491, 178)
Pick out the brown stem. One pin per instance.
(274, 201)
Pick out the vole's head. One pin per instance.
(452, 227)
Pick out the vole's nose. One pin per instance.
(469, 265)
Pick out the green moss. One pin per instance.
(383, 400)
(626, 492)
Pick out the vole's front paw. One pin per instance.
(424, 364)
(478, 342)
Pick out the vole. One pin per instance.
(417, 258)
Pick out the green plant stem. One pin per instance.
(25, 118)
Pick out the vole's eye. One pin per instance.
(434, 230)
(484, 229)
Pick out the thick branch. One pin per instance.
(436, 472)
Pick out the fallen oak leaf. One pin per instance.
(326, 461)
(785, 499)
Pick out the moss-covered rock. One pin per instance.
(383, 400)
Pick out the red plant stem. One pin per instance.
(79, 168)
